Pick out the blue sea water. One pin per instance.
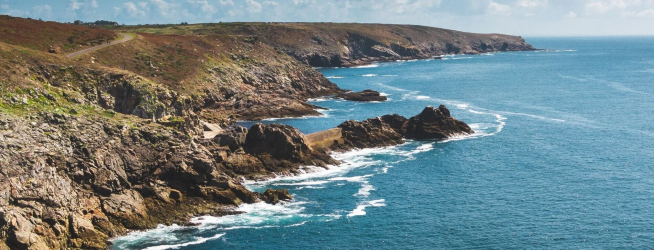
(563, 158)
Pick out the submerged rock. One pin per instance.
(275, 196)
(363, 96)
(435, 123)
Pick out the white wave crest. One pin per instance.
(369, 75)
(257, 214)
(321, 99)
(361, 208)
(304, 183)
(334, 77)
(199, 240)
(365, 189)
(367, 66)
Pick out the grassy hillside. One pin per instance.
(44, 36)
(349, 44)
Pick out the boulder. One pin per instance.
(275, 196)
(82, 227)
(281, 142)
(363, 96)
(435, 123)
(126, 206)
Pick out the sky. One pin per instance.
(516, 17)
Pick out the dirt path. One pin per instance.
(126, 37)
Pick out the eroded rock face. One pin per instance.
(363, 96)
(233, 138)
(89, 180)
(397, 122)
(435, 123)
(280, 147)
(370, 133)
(279, 141)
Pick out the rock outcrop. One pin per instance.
(363, 96)
(275, 196)
(71, 182)
(435, 123)
(280, 146)
(370, 133)
(388, 130)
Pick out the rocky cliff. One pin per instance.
(114, 140)
(351, 44)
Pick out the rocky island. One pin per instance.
(143, 133)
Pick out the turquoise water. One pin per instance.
(563, 158)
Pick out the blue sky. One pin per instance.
(518, 17)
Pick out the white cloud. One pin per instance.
(4, 6)
(253, 7)
(532, 3)
(74, 5)
(571, 14)
(604, 6)
(226, 2)
(270, 3)
(42, 11)
(495, 8)
(649, 13)
(205, 7)
(133, 10)
(165, 8)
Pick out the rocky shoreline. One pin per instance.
(141, 134)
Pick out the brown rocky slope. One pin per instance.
(113, 141)
(351, 44)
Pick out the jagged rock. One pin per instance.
(435, 123)
(397, 122)
(169, 195)
(243, 164)
(126, 206)
(363, 96)
(279, 141)
(275, 196)
(82, 227)
(232, 138)
(370, 133)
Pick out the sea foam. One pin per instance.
(361, 208)
(199, 240)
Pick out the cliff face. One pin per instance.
(88, 152)
(336, 45)
(351, 44)
(226, 75)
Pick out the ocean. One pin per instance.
(563, 158)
